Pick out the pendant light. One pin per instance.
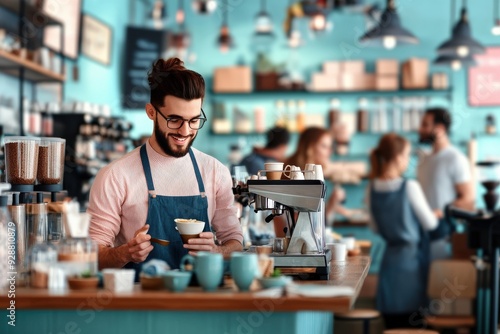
(455, 62)
(179, 39)
(263, 22)
(496, 27)
(204, 7)
(461, 42)
(158, 14)
(180, 15)
(389, 31)
(225, 41)
(263, 36)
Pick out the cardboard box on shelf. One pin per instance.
(416, 74)
(332, 67)
(234, 79)
(347, 81)
(386, 82)
(369, 81)
(439, 81)
(353, 66)
(324, 82)
(387, 67)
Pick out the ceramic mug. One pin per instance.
(244, 269)
(208, 267)
(309, 173)
(293, 172)
(338, 251)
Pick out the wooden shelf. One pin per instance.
(369, 93)
(32, 12)
(10, 65)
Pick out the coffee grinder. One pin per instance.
(483, 234)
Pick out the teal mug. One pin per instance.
(176, 281)
(244, 269)
(208, 267)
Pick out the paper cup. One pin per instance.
(273, 166)
(338, 250)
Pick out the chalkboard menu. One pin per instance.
(484, 79)
(143, 47)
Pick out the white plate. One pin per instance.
(319, 291)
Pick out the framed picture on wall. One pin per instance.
(484, 79)
(68, 12)
(97, 39)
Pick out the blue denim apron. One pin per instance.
(402, 286)
(162, 210)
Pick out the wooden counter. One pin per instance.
(192, 311)
(351, 273)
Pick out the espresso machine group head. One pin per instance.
(302, 202)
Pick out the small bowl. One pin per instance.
(176, 281)
(274, 282)
(83, 283)
(151, 282)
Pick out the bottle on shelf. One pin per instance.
(491, 128)
(363, 117)
(382, 116)
(406, 116)
(26, 115)
(280, 113)
(301, 116)
(259, 114)
(35, 119)
(396, 115)
(290, 117)
(334, 113)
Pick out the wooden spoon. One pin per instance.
(160, 241)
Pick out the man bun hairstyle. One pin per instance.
(170, 77)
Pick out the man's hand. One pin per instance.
(139, 247)
(204, 242)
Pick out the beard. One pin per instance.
(172, 150)
(427, 139)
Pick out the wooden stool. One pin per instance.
(410, 331)
(366, 316)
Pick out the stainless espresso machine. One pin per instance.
(303, 204)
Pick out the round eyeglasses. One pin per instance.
(176, 122)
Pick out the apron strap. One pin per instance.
(201, 187)
(147, 168)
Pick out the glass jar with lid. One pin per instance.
(79, 256)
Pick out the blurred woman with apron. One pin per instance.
(402, 217)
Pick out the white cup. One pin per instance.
(318, 172)
(350, 242)
(293, 172)
(338, 250)
(119, 280)
(309, 167)
(273, 166)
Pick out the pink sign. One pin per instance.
(484, 79)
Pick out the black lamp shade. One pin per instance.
(454, 60)
(388, 27)
(461, 38)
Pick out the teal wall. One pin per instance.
(428, 20)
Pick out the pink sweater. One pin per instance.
(119, 196)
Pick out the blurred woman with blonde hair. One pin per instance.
(402, 216)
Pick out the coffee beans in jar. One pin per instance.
(21, 159)
(51, 161)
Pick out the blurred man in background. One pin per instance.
(275, 150)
